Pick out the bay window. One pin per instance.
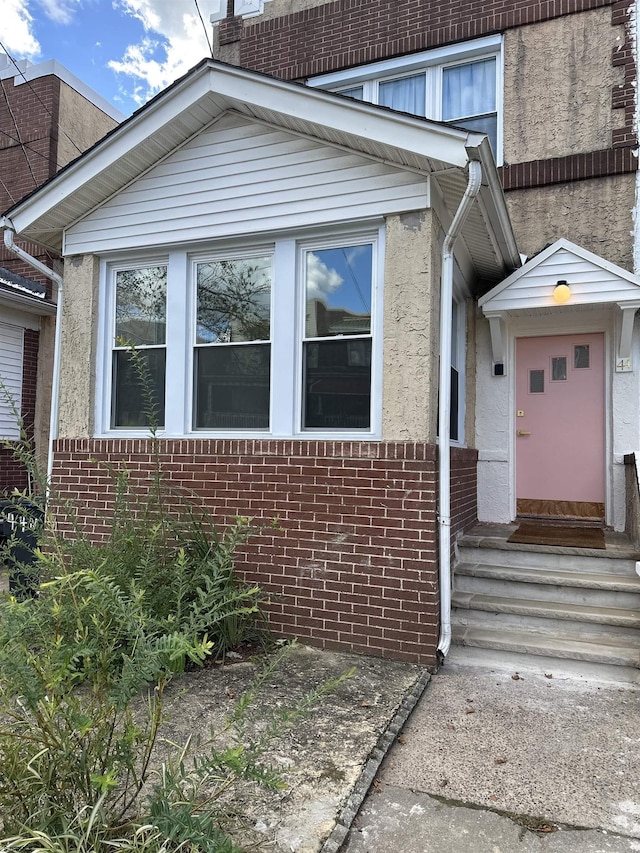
(274, 339)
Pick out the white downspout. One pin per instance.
(55, 383)
(444, 485)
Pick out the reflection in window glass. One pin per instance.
(338, 291)
(581, 356)
(559, 368)
(536, 381)
(407, 94)
(138, 381)
(234, 300)
(232, 373)
(232, 387)
(141, 298)
(132, 399)
(337, 347)
(337, 384)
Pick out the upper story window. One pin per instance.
(458, 84)
(269, 339)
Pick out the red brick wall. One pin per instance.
(464, 491)
(353, 32)
(353, 563)
(29, 115)
(12, 474)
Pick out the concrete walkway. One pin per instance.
(531, 756)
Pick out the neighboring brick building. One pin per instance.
(47, 118)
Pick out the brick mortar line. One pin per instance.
(337, 837)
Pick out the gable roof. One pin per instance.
(212, 90)
(592, 279)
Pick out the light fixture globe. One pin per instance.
(561, 293)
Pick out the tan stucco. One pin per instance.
(558, 82)
(79, 327)
(411, 275)
(596, 215)
(82, 124)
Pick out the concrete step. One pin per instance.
(576, 618)
(607, 651)
(559, 575)
(607, 590)
(622, 563)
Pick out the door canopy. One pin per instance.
(563, 277)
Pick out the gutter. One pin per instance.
(444, 468)
(9, 234)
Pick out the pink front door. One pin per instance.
(560, 443)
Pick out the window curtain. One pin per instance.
(469, 90)
(406, 94)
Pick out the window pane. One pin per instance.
(234, 300)
(469, 90)
(355, 92)
(581, 356)
(559, 368)
(338, 291)
(141, 298)
(337, 384)
(232, 387)
(536, 381)
(454, 410)
(485, 124)
(130, 407)
(406, 94)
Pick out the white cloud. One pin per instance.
(174, 41)
(321, 280)
(59, 11)
(17, 30)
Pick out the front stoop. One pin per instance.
(572, 603)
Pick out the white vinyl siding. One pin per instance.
(239, 177)
(11, 361)
(591, 284)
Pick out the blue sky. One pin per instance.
(127, 50)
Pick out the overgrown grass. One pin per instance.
(84, 666)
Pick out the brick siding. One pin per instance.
(348, 33)
(352, 32)
(27, 154)
(12, 474)
(352, 564)
(464, 490)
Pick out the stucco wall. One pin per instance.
(81, 122)
(574, 113)
(596, 215)
(410, 328)
(79, 327)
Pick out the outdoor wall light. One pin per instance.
(561, 293)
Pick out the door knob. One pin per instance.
(523, 432)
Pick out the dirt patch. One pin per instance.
(320, 758)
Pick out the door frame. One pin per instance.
(566, 323)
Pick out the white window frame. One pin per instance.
(432, 63)
(287, 327)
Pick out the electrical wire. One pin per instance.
(15, 124)
(204, 27)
